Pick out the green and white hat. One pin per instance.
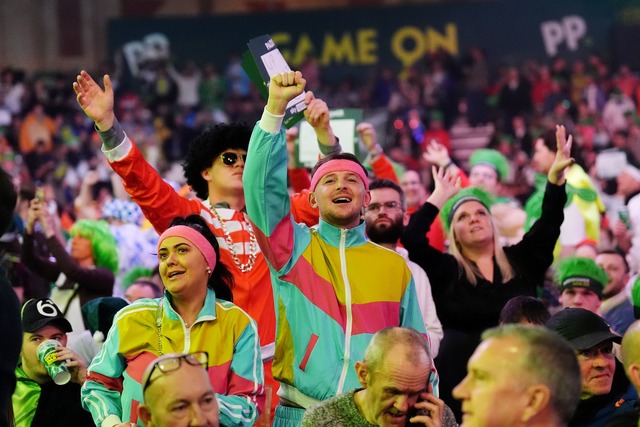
(493, 159)
(465, 195)
(576, 272)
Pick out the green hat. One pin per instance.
(507, 138)
(436, 115)
(134, 274)
(492, 158)
(576, 272)
(468, 194)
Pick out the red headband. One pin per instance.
(198, 240)
(339, 165)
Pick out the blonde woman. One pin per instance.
(472, 283)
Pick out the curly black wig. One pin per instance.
(207, 147)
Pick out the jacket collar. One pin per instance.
(332, 235)
(208, 311)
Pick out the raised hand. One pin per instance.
(96, 103)
(447, 185)
(317, 112)
(436, 154)
(317, 115)
(368, 135)
(33, 214)
(563, 157)
(283, 87)
(47, 221)
(430, 411)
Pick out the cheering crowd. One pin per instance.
(478, 267)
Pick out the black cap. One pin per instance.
(38, 313)
(582, 328)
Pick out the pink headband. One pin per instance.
(198, 240)
(339, 165)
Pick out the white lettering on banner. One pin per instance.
(46, 308)
(153, 47)
(570, 29)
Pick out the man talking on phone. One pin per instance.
(395, 387)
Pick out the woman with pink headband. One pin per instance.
(195, 314)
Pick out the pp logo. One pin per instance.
(570, 29)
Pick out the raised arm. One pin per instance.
(159, 202)
(317, 115)
(38, 264)
(438, 155)
(441, 268)
(536, 247)
(380, 163)
(563, 159)
(265, 173)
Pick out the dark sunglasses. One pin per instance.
(230, 158)
(171, 364)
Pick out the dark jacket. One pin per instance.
(600, 410)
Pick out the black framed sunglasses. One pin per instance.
(230, 158)
(170, 364)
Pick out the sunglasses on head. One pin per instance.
(230, 158)
(171, 364)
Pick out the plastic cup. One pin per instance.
(56, 368)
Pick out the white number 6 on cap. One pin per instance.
(46, 308)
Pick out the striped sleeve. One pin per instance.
(245, 392)
(101, 392)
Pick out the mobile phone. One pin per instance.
(623, 214)
(413, 412)
(40, 193)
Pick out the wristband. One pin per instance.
(376, 151)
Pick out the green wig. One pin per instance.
(103, 244)
(465, 195)
(576, 272)
(493, 159)
(635, 296)
(134, 274)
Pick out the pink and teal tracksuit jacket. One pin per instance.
(333, 289)
(113, 390)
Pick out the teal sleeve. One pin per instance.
(265, 179)
(246, 385)
(101, 392)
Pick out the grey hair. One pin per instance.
(550, 360)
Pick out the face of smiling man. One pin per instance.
(340, 197)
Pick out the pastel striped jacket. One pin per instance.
(333, 288)
(113, 390)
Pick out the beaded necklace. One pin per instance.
(253, 244)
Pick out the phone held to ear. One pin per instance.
(413, 412)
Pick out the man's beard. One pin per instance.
(386, 234)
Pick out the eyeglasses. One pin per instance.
(593, 352)
(230, 158)
(391, 206)
(171, 364)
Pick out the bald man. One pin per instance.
(178, 392)
(395, 389)
(631, 362)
